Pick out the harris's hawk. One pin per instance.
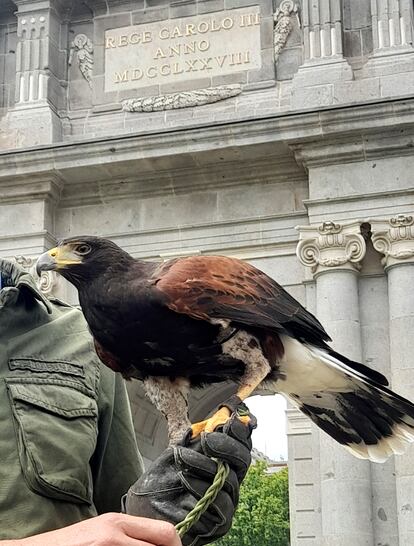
(193, 321)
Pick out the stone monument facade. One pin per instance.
(277, 131)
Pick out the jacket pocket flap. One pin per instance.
(67, 402)
(56, 428)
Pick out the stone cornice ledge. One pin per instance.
(37, 188)
(29, 6)
(175, 181)
(27, 244)
(292, 129)
(358, 197)
(245, 238)
(363, 146)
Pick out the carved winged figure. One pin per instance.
(84, 53)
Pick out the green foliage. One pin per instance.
(262, 517)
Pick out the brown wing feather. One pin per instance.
(107, 357)
(113, 362)
(206, 287)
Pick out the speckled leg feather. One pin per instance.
(171, 399)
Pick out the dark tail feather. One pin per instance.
(366, 417)
(370, 423)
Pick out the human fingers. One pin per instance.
(154, 532)
(143, 543)
(133, 542)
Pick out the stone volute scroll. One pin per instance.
(84, 54)
(331, 245)
(394, 238)
(47, 281)
(283, 25)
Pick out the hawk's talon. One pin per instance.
(218, 419)
(197, 429)
(221, 417)
(245, 419)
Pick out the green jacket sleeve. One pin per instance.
(116, 463)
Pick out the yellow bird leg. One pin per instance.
(218, 419)
(198, 428)
(245, 347)
(223, 414)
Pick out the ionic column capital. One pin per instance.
(394, 237)
(331, 246)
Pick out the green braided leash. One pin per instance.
(210, 495)
(203, 504)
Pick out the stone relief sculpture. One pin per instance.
(184, 99)
(47, 280)
(283, 24)
(84, 53)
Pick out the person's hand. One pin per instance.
(106, 530)
(175, 482)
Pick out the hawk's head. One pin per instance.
(82, 258)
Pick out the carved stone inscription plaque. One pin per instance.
(182, 49)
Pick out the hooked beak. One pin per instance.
(55, 259)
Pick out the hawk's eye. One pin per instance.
(83, 249)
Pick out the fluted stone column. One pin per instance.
(391, 25)
(322, 30)
(41, 68)
(303, 488)
(394, 237)
(324, 62)
(393, 51)
(31, 56)
(334, 252)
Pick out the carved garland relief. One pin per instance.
(184, 99)
(283, 25)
